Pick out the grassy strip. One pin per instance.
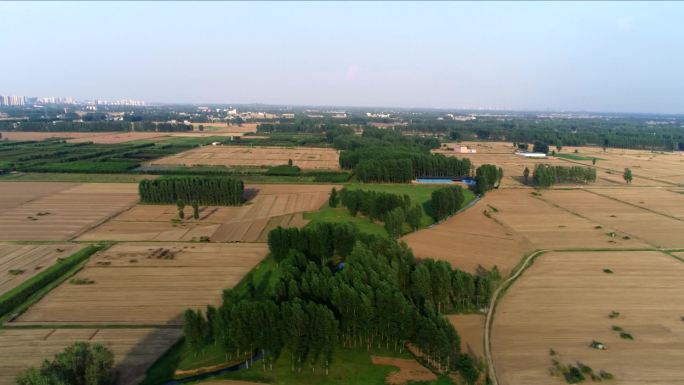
(576, 157)
(70, 177)
(28, 292)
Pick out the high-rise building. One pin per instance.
(12, 100)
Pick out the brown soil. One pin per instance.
(409, 370)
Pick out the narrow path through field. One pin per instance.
(527, 261)
(492, 306)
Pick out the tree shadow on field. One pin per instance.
(157, 343)
(250, 193)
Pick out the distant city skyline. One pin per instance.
(575, 56)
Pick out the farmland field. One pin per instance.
(134, 349)
(662, 201)
(655, 229)
(471, 330)
(549, 227)
(563, 303)
(304, 157)
(471, 240)
(78, 137)
(57, 211)
(146, 283)
(271, 205)
(18, 263)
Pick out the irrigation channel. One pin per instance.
(217, 372)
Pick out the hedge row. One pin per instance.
(17, 296)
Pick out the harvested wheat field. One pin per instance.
(662, 201)
(470, 328)
(269, 206)
(66, 213)
(563, 301)
(21, 262)
(409, 370)
(304, 157)
(146, 283)
(14, 194)
(549, 227)
(134, 349)
(663, 167)
(222, 127)
(655, 229)
(470, 240)
(119, 137)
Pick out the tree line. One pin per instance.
(374, 294)
(201, 189)
(93, 126)
(545, 175)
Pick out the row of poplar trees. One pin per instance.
(372, 295)
(545, 175)
(206, 190)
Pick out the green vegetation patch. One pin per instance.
(19, 297)
(576, 157)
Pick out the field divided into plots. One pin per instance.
(269, 206)
(18, 262)
(305, 157)
(62, 211)
(146, 283)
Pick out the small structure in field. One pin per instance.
(526, 154)
(597, 345)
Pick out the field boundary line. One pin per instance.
(593, 221)
(526, 262)
(102, 221)
(634, 205)
(520, 268)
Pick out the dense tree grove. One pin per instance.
(373, 204)
(205, 190)
(385, 171)
(79, 364)
(401, 165)
(540, 147)
(380, 296)
(545, 175)
(487, 177)
(446, 201)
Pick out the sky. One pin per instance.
(562, 56)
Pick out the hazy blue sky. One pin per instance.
(570, 56)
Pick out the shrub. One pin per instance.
(626, 336)
(80, 363)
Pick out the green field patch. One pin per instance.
(576, 157)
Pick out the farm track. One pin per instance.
(524, 265)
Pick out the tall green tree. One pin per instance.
(394, 221)
(526, 174)
(414, 216)
(627, 175)
(181, 208)
(334, 198)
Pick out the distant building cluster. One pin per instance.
(12, 100)
(120, 102)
